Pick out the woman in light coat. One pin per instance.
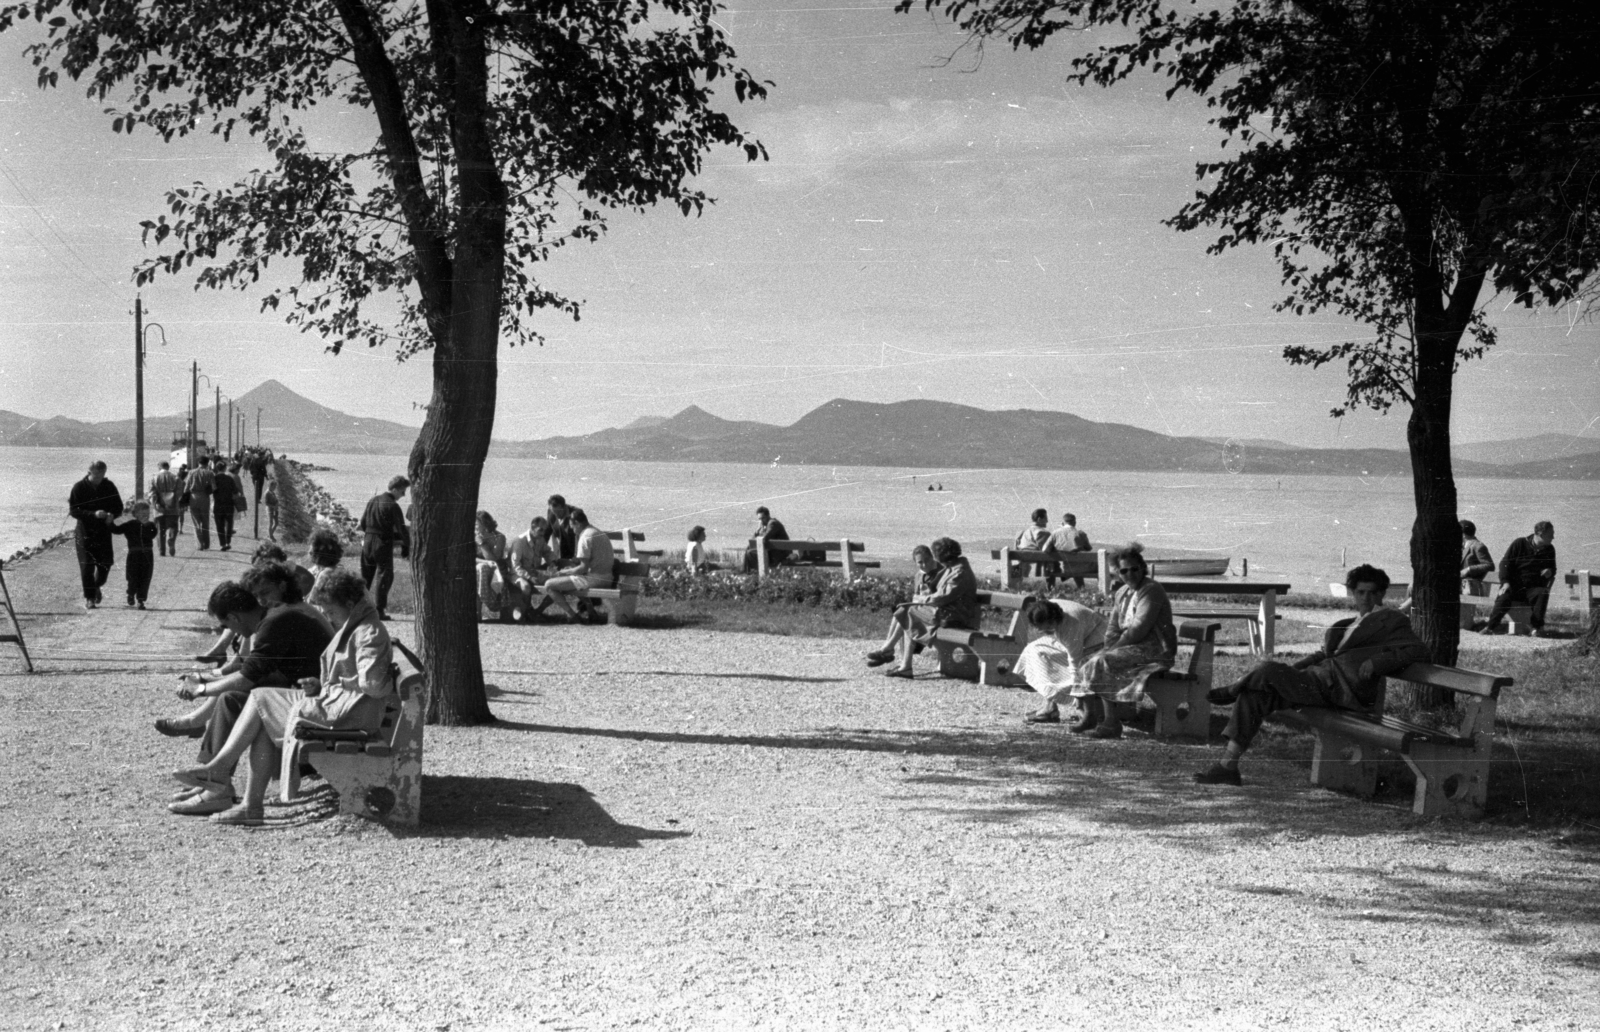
(1053, 663)
(1142, 639)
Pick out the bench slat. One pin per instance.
(1474, 682)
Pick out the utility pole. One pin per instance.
(216, 429)
(258, 426)
(138, 397)
(194, 411)
(231, 422)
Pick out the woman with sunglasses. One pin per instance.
(1142, 638)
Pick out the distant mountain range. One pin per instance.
(916, 433)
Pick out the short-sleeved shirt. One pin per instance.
(287, 646)
(594, 546)
(1069, 539)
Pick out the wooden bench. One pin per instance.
(1519, 617)
(1582, 583)
(629, 538)
(984, 656)
(627, 581)
(1180, 695)
(1452, 767)
(846, 549)
(377, 774)
(1261, 621)
(1014, 562)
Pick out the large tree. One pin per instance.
(1399, 156)
(499, 129)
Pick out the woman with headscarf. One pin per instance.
(1141, 639)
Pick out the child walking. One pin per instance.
(141, 560)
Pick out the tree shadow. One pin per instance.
(669, 621)
(455, 806)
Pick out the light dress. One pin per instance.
(357, 676)
(1141, 641)
(1053, 664)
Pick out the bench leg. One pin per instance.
(957, 661)
(1451, 780)
(623, 609)
(1181, 707)
(1343, 764)
(996, 660)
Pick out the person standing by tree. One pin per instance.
(95, 503)
(1476, 560)
(383, 525)
(166, 487)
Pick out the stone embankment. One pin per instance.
(303, 505)
(45, 544)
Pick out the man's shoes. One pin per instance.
(1217, 774)
(140, 605)
(897, 672)
(129, 602)
(88, 604)
(200, 805)
(1102, 731)
(1046, 717)
(171, 730)
(242, 816)
(1223, 695)
(878, 657)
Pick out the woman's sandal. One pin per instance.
(200, 777)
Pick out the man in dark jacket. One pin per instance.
(767, 527)
(1476, 561)
(1357, 654)
(384, 524)
(95, 503)
(1526, 572)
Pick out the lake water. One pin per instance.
(1289, 528)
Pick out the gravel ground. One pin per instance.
(682, 829)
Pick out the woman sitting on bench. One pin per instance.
(927, 582)
(357, 674)
(952, 603)
(1142, 638)
(1053, 663)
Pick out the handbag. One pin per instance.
(238, 502)
(184, 499)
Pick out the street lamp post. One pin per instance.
(139, 331)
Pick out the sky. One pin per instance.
(933, 223)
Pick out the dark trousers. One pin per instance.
(1272, 686)
(95, 559)
(140, 564)
(377, 561)
(200, 512)
(1536, 599)
(168, 532)
(220, 724)
(225, 527)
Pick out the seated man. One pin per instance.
(531, 561)
(1067, 539)
(1033, 538)
(1348, 672)
(768, 528)
(954, 603)
(595, 562)
(1526, 572)
(924, 588)
(286, 644)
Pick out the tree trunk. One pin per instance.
(1436, 531)
(447, 462)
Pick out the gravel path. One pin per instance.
(681, 829)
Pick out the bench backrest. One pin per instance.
(1202, 587)
(617, 535)
(1204, 635)
(810, 546)
(1455, 679)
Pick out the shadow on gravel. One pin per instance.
(669, 621)
(467, 807)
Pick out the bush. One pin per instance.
(820, 588)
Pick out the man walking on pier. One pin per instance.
(383, 524)
(94, 502)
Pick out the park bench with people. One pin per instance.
(627, 581)
(805, 553)
(1480, 595)
(986, 657)
(1451, 765)
(1179, 694)
(377, 774)
(1016, 562)
(1260, 620)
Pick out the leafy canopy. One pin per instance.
(593, 105)
(1396, 154)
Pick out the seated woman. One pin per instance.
(492, 561)
(694, 557)
(1141, 636)
(325, 550)
(927, 583)
(952, 603)
(268, 552)
(1053, 663)
(356, 675)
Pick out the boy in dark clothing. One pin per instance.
(140, 562)
(94, 502)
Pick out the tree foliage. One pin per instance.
(1396, 155)
(592, 105)
(1392, 153)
